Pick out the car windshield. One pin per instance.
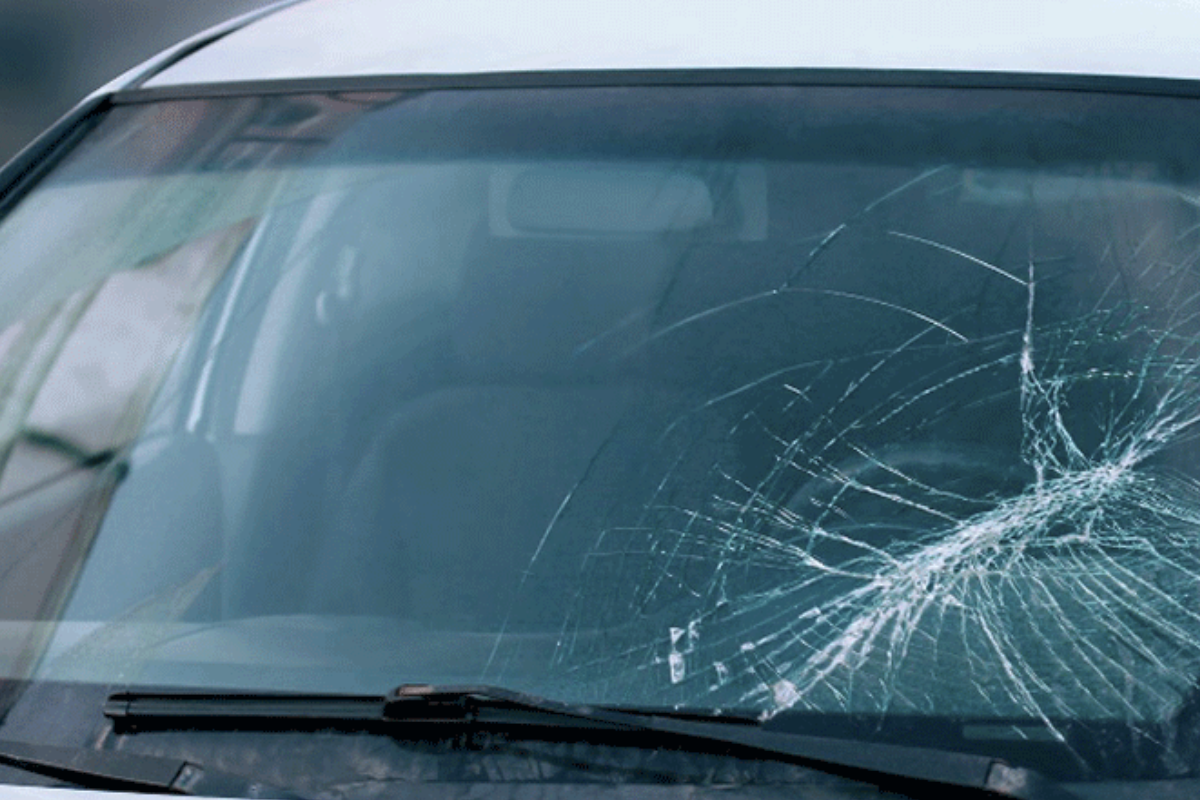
(856, 402)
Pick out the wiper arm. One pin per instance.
(885, 765)
(128, 772)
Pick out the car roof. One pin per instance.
(332, 38)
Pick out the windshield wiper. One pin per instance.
(885, 765)
(117, 771)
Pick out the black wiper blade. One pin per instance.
(886, 765)
(128, 772)
(855, 757)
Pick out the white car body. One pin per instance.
(337, 38)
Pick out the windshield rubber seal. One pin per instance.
(1105, 84)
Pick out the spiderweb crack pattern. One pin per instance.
(995, 522)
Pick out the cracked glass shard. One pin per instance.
(959, 476)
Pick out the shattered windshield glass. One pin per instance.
(858, 402)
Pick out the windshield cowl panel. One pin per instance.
(859, 409)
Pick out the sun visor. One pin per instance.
(584, 200)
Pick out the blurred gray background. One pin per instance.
(54, 52)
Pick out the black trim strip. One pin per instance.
(1111, 84)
